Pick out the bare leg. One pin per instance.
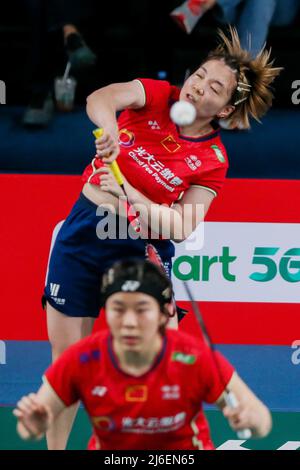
(64, 331)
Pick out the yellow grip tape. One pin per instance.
(114, 166)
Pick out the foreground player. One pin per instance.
(141, 384)
(169, 172)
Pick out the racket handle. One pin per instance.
(232, 402)
(116, 172)
(114, 166)
(98, 132)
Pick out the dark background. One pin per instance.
(131, 38)
(137, 38)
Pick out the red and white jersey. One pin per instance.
(161, 409)
(155, 158)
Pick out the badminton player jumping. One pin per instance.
(165, 169)
(132, 379)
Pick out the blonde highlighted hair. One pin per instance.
(253, 95)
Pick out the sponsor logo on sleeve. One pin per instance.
(218, 153)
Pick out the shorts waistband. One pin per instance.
(158, 243)
(86, 202)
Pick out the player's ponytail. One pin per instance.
(253, 95)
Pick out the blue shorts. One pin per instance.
(79, 259)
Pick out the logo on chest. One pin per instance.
(136, 393)
(154, 125)
(193, 162)
(170, 392)
(170, 144)
(126, 138)
(99, 391)
(103, 423)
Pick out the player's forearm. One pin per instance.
(263, 422)
(162, 219)
(250, 413)
(101, 108)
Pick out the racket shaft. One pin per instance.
(230, 398)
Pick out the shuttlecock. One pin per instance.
(183, 113)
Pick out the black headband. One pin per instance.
(127, 285)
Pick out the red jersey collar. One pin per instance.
(115, 361)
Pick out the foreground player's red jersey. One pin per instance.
(155, 158)
(161, 409)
